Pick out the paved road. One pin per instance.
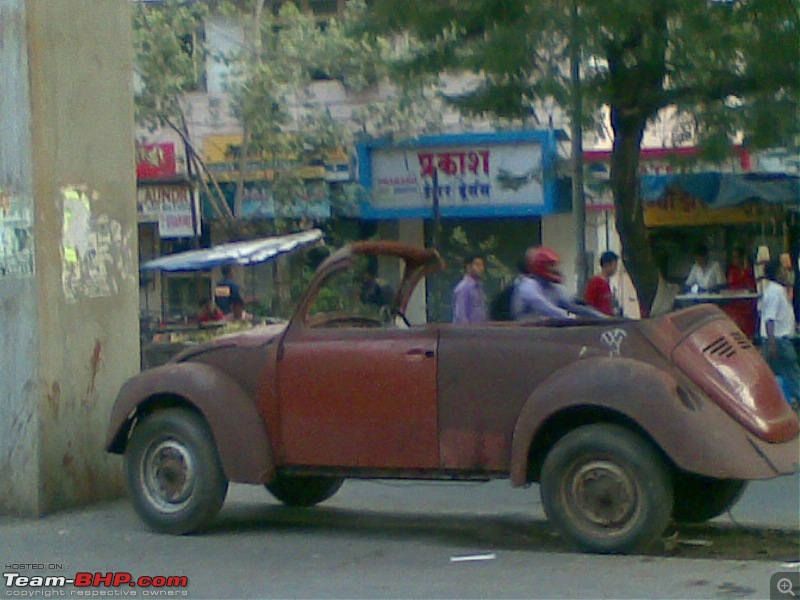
(774, 503)
(387, 540)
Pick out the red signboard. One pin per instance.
(155, 161)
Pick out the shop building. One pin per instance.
(733, 204)
(169, 221)
(500, 186)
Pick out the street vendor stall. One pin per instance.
(731, 212)
(163, 339)
(249, 252)
(739, 305)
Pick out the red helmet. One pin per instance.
(542, 262)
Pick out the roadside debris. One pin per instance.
(473, 557)
(673, 541)
(696, 542)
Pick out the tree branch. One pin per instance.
(226, 212)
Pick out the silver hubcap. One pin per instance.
(603, 494)
(168, 475)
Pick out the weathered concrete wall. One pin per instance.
(19, 439)
(86, 291)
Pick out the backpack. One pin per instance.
(500, 306)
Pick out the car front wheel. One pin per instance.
(606, 489)
(174, 472)
(698, 499)
(303, 490)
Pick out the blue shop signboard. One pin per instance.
(503, 174)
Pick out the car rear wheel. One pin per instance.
(303, 490)
(606, 489)
(698, 499)
(174, 472)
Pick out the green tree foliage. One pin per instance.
(169, 63)
(169, 57)
(730, 66)
(271, 80)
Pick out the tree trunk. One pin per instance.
(636, 251)
(637, 71)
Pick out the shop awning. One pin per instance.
(716, 198)
(249, 252)
(723, 190)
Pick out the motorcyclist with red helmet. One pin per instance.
(538, 292)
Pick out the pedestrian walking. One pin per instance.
(777, 332)
(469, 299)
(598, 290)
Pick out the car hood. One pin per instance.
(259, 336)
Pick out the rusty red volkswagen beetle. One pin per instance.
(625, 425)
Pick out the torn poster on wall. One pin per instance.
(95, 253)
(16, 235)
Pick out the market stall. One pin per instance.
(729, 212)
(163, 338)
(740, 306)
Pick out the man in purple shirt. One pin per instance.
(469, 300)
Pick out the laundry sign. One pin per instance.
(170, 206)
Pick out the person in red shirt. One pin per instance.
(598, 290)
(740, 278)
(740, 273)
(208, 312)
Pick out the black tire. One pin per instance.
(174, 472)
(606, 489)
(303, 490)
(698, 499)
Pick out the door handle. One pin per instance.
(419, 353)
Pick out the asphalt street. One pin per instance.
(383, 539)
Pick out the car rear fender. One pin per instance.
(691, 430)
(238, 429)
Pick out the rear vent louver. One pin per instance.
(720, 347)
(741, 340)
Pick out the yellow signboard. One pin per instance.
(221, 154)
(678, 208)
(735, 215)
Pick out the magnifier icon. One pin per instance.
(785, 586)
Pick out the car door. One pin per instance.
(359, 397)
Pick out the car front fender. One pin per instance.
(238, 429)
(689, 428)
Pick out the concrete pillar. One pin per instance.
(68, 250)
